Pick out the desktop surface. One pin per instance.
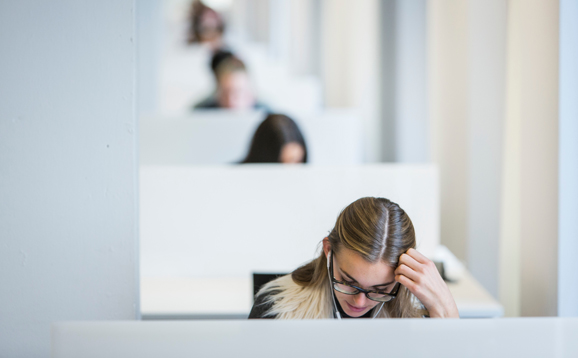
(232, 298)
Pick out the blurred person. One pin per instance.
(206, 26)
(234, 87)
(277, 140)
(368, 268)
(218, 57)
(211, 100)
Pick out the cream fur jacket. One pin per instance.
(284, 299)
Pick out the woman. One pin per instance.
(368, 268)
(277, 140)
(206, 26)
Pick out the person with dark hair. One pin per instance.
(234, 88)
(368, 268)
(206, 26)
(277, 140)
(218, 57)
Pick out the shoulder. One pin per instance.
(209, 102)
(262, 107)
(283, 298)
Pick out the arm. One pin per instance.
(419, 275)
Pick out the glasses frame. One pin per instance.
(391, 295)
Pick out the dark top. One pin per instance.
(260, 308)
(211, 102)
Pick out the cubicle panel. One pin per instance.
(233, 220)
(204, 137)
(435, 338)
(211, 137)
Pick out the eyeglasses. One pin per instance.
(378, 296)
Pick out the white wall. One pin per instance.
(350, 67)
(493, 92)
(486, 89)
(411, 105)
(529, 242)
(568, 164)
(68, 194)
(304, 37)
(447, 28)
(149, 50)
(405, 123)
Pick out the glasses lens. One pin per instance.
(380, 297)
(345, 289)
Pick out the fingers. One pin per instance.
(417, 261)
(420, 276)
(410, 268)
(409, 284)
(418, 256)
(407, 272)
(407, 260)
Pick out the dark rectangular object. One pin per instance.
(259, 279)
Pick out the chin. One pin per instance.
(354, 313)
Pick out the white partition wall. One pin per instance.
(568, 164)
(202, 138)
(447, 82)
(434, 338)
(230, 221)
(529, 218)
(68, 213)
(350, 64)
(223, 137)
(493, 83)
(405, 127)
(486, 102)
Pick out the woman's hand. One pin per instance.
(420, 275)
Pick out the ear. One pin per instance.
(326, 246)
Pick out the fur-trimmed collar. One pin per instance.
(291, 301)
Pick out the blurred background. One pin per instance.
(471, 86)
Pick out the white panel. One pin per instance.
(445, 338)
(539, 62)
(222, 137)
(68, 215)
(486, 99)
(529, 241)
(447, 26)
(230, 221)
(568, 165)
(411, 108)
(149, 42)
(351, 64)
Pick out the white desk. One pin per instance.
(232, 298)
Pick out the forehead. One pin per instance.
(234, 78)
(366, 273)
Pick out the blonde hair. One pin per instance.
(378, 230)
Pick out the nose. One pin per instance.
(359, 299)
